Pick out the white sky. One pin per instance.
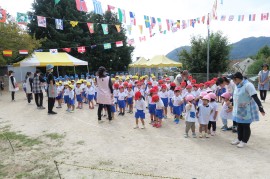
(179, 10)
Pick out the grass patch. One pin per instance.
(55, 136)
(22, 175)
(23, 139)
(81, 142)
(3, 174)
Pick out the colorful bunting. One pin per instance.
(119, 43)
(159, 24)
(105, 29)
(131, 41)
(203, 19)
(111, 8)
(147, 22)
(140, 28)
(97, 7)
(264, 16)
(59, 24)
(184, 24)
(67, 50)
(91, 27)
(3, 15)
(252, 17)
(23, 52)
(118, 28)
(74, 23)
(223, 18)
(132, 18)
(142, 38)
(81, 5)
(178, 24)
(153, 22)
(231, 17)
(7, 53)
(241, 17)
(56, 1)
(53, 51)
(22, 18)
(168, 24)
(41, 21)
(129, 29)
(81, 49)
(121, 15)
(107, 46)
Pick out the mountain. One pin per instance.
(244, 48)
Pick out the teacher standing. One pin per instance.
(263, 81)
(51, 89)
(245, 108)
(104, 92)
(12, 85)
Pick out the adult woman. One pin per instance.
(104, 92)
(12, 85)
(263, 81)
(37, 84)
(51, 89)
(245, 110)
(29, 86)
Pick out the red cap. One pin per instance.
(153, 90)
(189, 77)
(163, 86)
(178, 88)
(130, 85)
(139, 84)
(172, 84)
(121, 87)
(193, 81)
(116, 85)
(189, 87)
(155, 98)
(149, 83)
(168, 79)
(125, 83)
(160, 81)
(138, 94)
(183, 84)
(155, 87)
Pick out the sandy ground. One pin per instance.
(117, 146)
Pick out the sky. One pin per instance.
(161, 44)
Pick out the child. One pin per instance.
(113, 110)
(78, 92)
(83, 87)
(177, 102)
(130, 95)
(203, 114)
(213, 117)
(141, 108)
(163, 94)
(226, 111)
(95, 89)
(159, 111)
(170, 95)
(90, 93)
(152, 105)
(66, 94)
(59, 95)
(122, 100)
(200, 101)
(190, 115)
(71, 100)
(115, 94)
(24, 87)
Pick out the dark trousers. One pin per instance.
(39, 99)
(100, 107)
(244, 132)
(51, 102)
(212, 124)
(29, 97)
(13, 95)
(263, 94)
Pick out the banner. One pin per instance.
(118, 28)
(53, 51)
(74, 23)
(59, 24)
(23, 52)
(129, 29)
(252, 17)
(81, 49)
(159, 24)
(41, 21)
(132, 18)
(107, 46)
(81, 5)
(147, 22)
(105, 29)
(7, 53)
(22, 18)
(67, 50)
(91, 27)
(3, 15)
(264, 16)
(97, 7)
(121, 15)
(119, 43)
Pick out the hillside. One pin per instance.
(244, 48)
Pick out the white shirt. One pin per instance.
(259, 74)
(115, 92)
(71, 94)
(159, 104)
(190, 113)
(154, 83)
(59, 90)
(90, 90)
(196, 94)
(150, 100)
(223, 113)
(122, 96)
(66, 92)
(162, 94)
(177, 100)
(140, 105)
(170, 93)
(78, 91)
(130, 94)
(215, 109)
(230, 87)
(204, 114)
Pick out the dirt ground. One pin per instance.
(76, 138)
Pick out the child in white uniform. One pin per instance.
(226, 111)
(140, 109)
(190, 116)
(159, 111)
(213, 117)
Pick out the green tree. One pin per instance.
(263, 53)
(196, 60)
(15, 38)
(255, 67)
(262, 57)
(115, 58)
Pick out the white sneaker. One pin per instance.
(213, 133)
(136, 127)
(241, 144)
(186, 135)
(142, 127)
(235, 142)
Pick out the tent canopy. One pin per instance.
(44, 58)
(139, 62)
(161, 61)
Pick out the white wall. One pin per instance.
(20, 72)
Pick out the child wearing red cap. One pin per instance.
(190, 115)
(163, 94)
(152, 105)
(130, 95)
(122, 100)
(177, 101)
(147, 91)
(140, 109)
(159, 111)
(115, 94)
(213, 117)
(203, 114)
(170, 95)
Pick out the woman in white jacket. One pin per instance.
(29, 86)
(12, 85)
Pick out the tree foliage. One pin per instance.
(115, 58)
(14, 38)
(262, 57)
(196, 60)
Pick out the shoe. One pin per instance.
(200, 135)
(235, 142)
(119, 114)
(213, 133)
(151, 122)
(142, 127)
(71, 111)
(123, 114)
(241, 144)
(59, 107)
(131, 112)
(52, 113)
(136, 127)
(177, 121)
(225, 128)
(206, 135)
(41, 107)
(194, 135)
(186, 135)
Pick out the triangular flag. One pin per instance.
(105, 28)
(3, 15)
(107, 45)
(67, 49)
(168, 24)
(22, 18)
(118, 28)
(56, 1)
(74, 23)
(140, 28)
(41, 21)
(81, 49)
(111, 8)
(81, 5)
(7, 53)
(23, 52)
(119, 43)
(59, 24)
(91, 27)
(53, 51)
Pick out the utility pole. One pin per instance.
(208, 46)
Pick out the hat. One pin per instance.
(130, 86)
(65, 84)
(88, 84)
(84, 81)
(121, 87)
(125, 83)
(238, 75)
(172, 84)
(207, 97)
(265, 65)
(112, 79)
(209, 91)
(155, 98)
(72, 80)
(138, 94)
(155, 87)
(153, 90)
(139, 84)
(189, 98)
(149, 83)
(178, 88)
(160, 81)
(203, 93)
(168, 79)
(71, 86)
(163, 86)
(212, 95)
(226, 95)
(153, 77)
(193, 81)
(183, 84)
(189, 87)
(116, 85)
(49, 67)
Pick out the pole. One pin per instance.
(208, 47)
(74, 70)
(87, 68)
(57, 71)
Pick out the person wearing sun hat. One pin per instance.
(245, 108)
(51, 90)
(263, 81)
